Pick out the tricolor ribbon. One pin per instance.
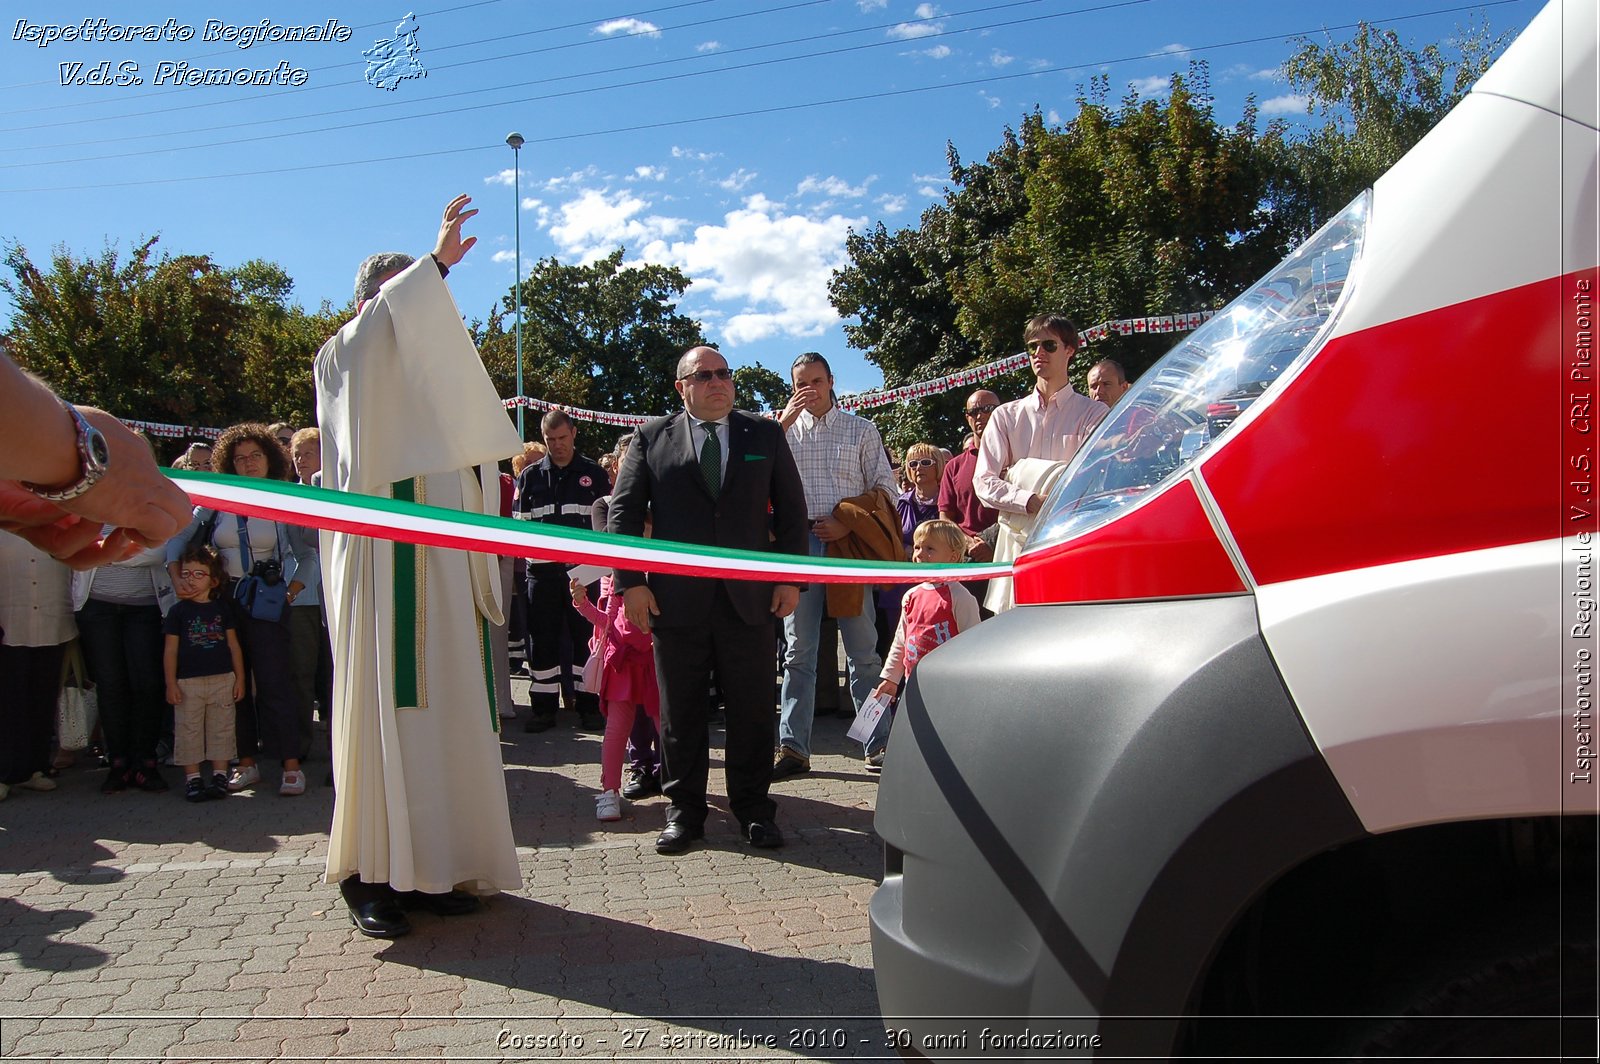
(432, 526)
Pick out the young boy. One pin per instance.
(205, 674)
(932, 613)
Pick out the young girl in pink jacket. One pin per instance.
(627, 685)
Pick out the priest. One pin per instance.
(420, 819)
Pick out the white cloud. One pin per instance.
(503, 256)
(1267, 74)
(629, 26)
(931, 185)
(648, 173)
(737, 180)
(506, 177)
(892, 204)
(574, 178)
(772, 266)
(1285, 105)
(1053, 117)
(1155, 85)
(992, 101)
(938, 51)
(1172, 48)
(865, 6)
(1038, 64)
(831, 186)
(598, 220)
(910, 30)
(708, 46)
(997, 58)
(690, 153)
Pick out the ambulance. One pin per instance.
(1288, 748)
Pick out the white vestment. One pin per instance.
(406, 409)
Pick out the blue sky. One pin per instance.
(739, 141)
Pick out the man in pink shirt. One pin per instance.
(1051, 422)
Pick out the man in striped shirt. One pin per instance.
(839, 456)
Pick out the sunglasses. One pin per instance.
(706, 376)
(918, 463)
(1048, 345)
(984, 408)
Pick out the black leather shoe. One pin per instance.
(591, 721)
(677, 837)
(763, 834)
(374, 909)
(450, 903)
(640, 785)
(538, 723)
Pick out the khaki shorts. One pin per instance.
(203, 723)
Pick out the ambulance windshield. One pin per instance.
(1179, 406)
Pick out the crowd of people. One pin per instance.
(214, 646)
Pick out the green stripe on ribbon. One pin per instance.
(405, 609)
(488, 671)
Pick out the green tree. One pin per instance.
(176, 339)
(602, 336)
(759, 388)
(1377, 97)
(1135, 208)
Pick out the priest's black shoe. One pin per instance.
(763, 834)
(450, 903)
(374, 909)
(677, 837)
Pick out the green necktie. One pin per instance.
(711, 459)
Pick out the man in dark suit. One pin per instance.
(717, 476)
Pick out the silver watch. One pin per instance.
(94, 457)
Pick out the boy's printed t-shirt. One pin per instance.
(202, 631)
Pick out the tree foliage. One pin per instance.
(1377, 97)
(1134, 207)
(601, 335)
(168, 338)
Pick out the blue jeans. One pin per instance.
(801, 630)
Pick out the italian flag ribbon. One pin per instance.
(431, 526)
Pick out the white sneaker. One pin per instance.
(244, 776)
(608, 806)
(293, 783)
(38, 782)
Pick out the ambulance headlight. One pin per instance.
(1236, 361)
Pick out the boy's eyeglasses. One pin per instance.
(1048, 345)
(919, 463)
(705, 376)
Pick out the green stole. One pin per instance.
(410, 618)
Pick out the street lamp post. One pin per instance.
(515, 140)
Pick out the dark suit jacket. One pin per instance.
(661, 477)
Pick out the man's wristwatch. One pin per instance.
(94, 457)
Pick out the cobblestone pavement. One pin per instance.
(138, 927)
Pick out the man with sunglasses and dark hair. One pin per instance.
(1051, 423)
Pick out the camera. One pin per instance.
(270, 570)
